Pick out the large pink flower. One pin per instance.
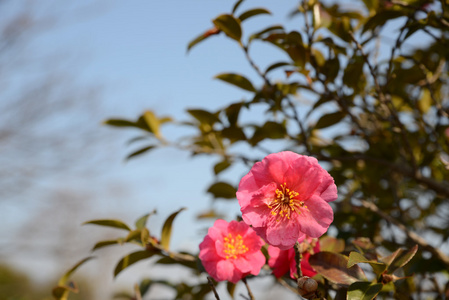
(283, 260)
(231, 251)
(285, 197)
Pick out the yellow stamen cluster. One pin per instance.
(233, 247)
(285, 202)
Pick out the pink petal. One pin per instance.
(283, 234)
(218, 230)
(243, 265)
(328, 189)
(207, 249)
(225, 270)
(257, 261)
(315, 220)
(279, 261)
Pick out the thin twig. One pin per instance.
(212, 287)
(410, 234)
(250, 294)
(298, 257)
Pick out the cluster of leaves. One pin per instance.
(379, 119)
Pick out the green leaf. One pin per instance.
(102, 244)
(329, 120)
(355, 258)
(253, 12)
(270, 130)
(222, 190)
(144, 286)
(120, 123)
(109, 223)
(332, 244)
(276, 65)
(230, 287)
(203, 116)
(63, 280)
(62, 292)
(236, 6)
(363, 290)
(142, 221)
(152, 122)
(332, 266)
(237, 80)
(202, 37)
(257, 35)
(131, 259)
(401, 260)
(229, 25)
(221, 166)
(381, 18)
(167, 228)
(138, 152)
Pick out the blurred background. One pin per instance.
(64, 68)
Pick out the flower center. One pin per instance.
(234, 247)
(285, 202)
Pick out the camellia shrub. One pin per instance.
(356, 207)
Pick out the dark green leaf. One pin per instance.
(221, 166)
(236, 6)
(167, 228)
(203, 116)
(355, 258)
(232, 112)
(276, 28)
(253, 12)
(138, 152)
(222, 190)
(276, 65)
(381, 18)
(229, 25)
(230, 287)
(120, 123)
(363, 290)
(329, 120)
(234, 134)
(270, 130)
(144, 286)
(237, 80)
(131, 259)
(332, 266)
(109, 223)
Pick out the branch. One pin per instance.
(410, 234)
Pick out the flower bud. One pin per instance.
(307, 286)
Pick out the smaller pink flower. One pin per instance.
(283, 260)
(231, 251)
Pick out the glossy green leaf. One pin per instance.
(270, 130)
(237, 80)
(167, 229)
(329, 120)
(131, 259)
(229, 25)
(62, 292)
(109, 223)
(222, 190)
(363, 290)
(253, 12)
(144, 286)
(63, 280)
(139, 152)
(333, 266)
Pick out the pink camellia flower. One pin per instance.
(231, 251)
(285, 197)
(283, 260)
